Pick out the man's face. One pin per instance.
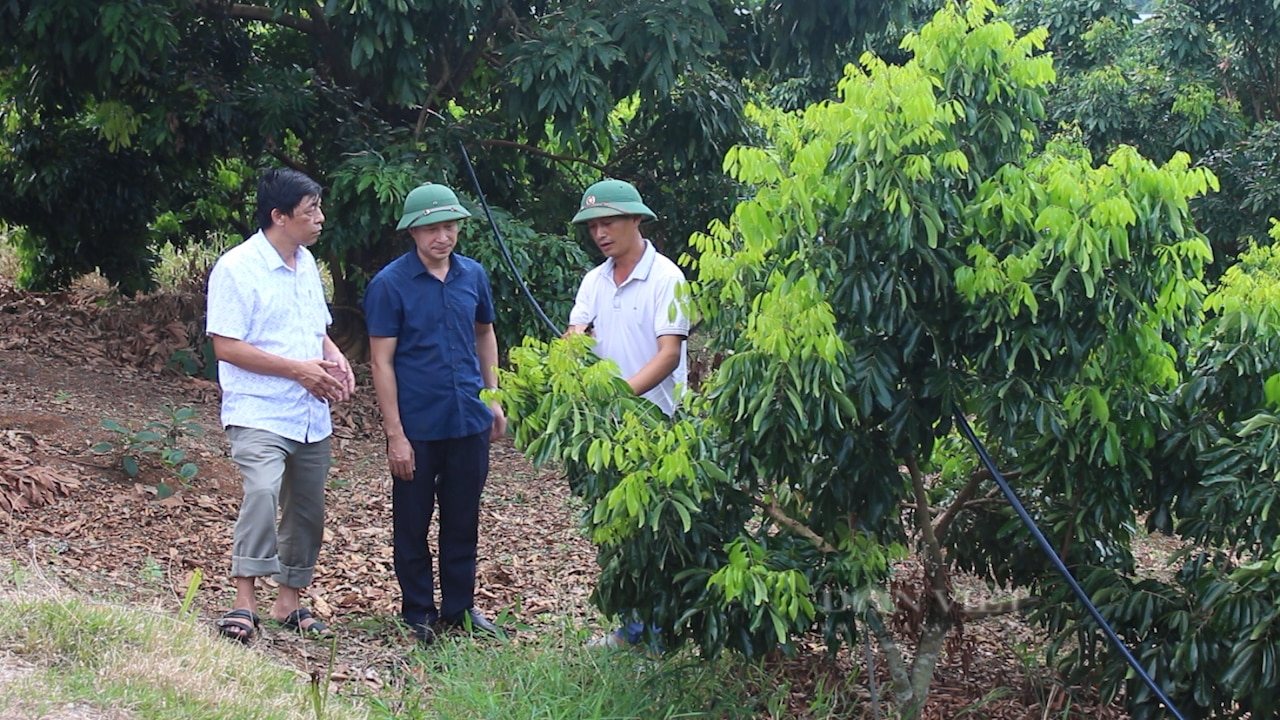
(615, 235)
(435, 241)
(303, 225)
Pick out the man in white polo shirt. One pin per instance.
(629, 303)
(629, 300)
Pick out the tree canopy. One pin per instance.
(1193, 76)
(118, 112)
(965, 228)
(908, 247)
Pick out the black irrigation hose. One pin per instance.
(1043, 542)
(502, 244)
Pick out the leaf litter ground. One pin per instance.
(73, 520)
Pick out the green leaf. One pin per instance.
(1257, 421)
(779, 627)
(686, 522)
(1271, 389)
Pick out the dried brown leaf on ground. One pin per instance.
(25, 484)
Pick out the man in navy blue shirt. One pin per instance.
(433, 349)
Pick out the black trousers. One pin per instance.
(450, 473)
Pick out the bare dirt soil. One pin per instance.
(72, 519)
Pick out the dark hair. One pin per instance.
(282, 189)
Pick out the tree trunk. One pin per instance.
(898, 672)
(344, 289)
(928, 651)
(348, 330)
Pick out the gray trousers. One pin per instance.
(287, 478)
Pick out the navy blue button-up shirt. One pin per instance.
(438, 379)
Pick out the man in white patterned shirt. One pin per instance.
(279, 370)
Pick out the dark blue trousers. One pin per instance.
(449, 473)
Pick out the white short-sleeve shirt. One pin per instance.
(255, 297)
(629, 318)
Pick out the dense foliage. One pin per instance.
(1208, 633)
(909, 247)
(123, 120)
(1193, 76)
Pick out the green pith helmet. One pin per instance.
(430, 203)
(612, 197)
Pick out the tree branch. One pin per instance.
(445, 77)
(795, 526)
(982, 502)
(935, 565)
(986, 610)
(509, 17)
(543, 153)
(478, 46)
(290, 162)
(966, 493)
(256, 12)
(333, 53)
(961, 501)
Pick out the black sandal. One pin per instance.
(297, 619)
(231, 626)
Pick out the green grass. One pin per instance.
(554, 677)
(149, 663)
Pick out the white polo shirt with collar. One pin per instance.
(629, 318)
(255, 297)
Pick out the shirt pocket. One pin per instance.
(312, 307)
